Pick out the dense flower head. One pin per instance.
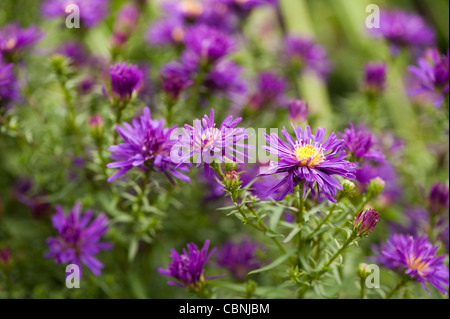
(309, 160)
(402, 28)
(374, 79)
(79, 238)
(14, 40)
(432, 74)
(9, 87)
(307, 54)
(239, 258)
(166, 32)
(298, 111)
(361, 144)
(366, 221)
(91, 11)
(208, 43)
(226, 78)
(416, 257)
(125, 79)
(210, 143)
(147, 145)
(439, 198)
(270, 89)
(188, 268)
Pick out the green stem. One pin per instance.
(339, 252)
(397, 287)
(362, 286)
(300, 203)
(323, 222)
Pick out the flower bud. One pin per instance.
(298, 111)
(232, 181)
(365, 222)
(363, 270)
(348, 187)
(96, 126)
(374, 79)
(376, 186)
(439, 198)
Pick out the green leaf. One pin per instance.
(292, 234)
(274, 264)
(271, 233)
(275, 217)
(132, 249)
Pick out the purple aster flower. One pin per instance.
(35, 200)
(78, 241)
(147, 145)
(365, 222)
(14, 40)
(9, 87)
(269, 90)
(239, 258)
(360, 144)
(91, 11)
(125, 24)
(401, 28)
(209, 143)
(310, 160)
(374, 78)
(75, 51)
(439, 198)
(242, 8)
(307, 54)
(298, 111)
(432, 75)
(174, 79)
(415, 256)
(125, 79)
(207, 43)
(168, 31)
(186, 10)
(189, 267)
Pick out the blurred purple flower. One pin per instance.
(432, 75)
(226, 78)
(14, 40)
(439, 198)
(75, 51)
(9, 86)
(125, 24)
(444, 237)
(298, 112)
(91, 11)
(416, 257)
(401, 28)
(360, 144)
(5, 257)
(189, 267)
(35, 201)
(307, 55)
(242, 8)
(270, 89)
(374, 78)
(78, 242)
(207, 43)
(174, 79)
(239, 258)
(168, 31)
(310, 160)
(147, 146)
(415, 222)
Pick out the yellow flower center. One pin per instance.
(241, 1)
(192, 8)
(11, 43)
(178, 34)
(418, 264)
(209, 135)
(304, 153)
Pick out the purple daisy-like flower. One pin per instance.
(226, 78)
(365, 222)
(310, 160)
(125, 79)
(174, 79)
(269, 90)
(239, 258)
(374, 78)
(439, 198)
(78, 241)
(361, 145)
(210, 143)
(125, 24)
(432, 73)
(91, 11)
(147, 145)
(307, 54)
(416, 257)
(9, 87)
(14, 40)
(168, 31)
(208, 43)
(188, 268)
(402, 28)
